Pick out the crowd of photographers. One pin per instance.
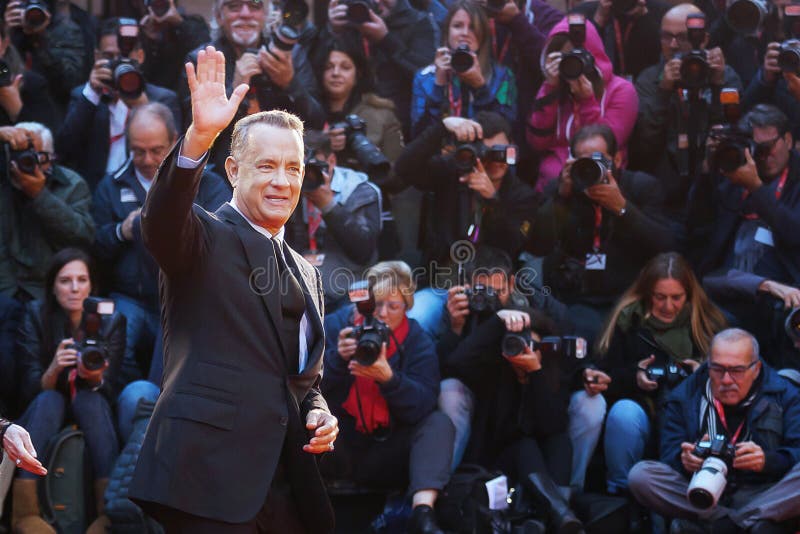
(559, 249)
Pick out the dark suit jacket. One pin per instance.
(228, 404)
(82, 142)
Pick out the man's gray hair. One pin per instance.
(276, 118)
(42, 131)
(158, 111)
(732, 335)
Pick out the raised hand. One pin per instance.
(212, 110)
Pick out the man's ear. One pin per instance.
(232, 170)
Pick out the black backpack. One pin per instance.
(64, 491)
(463, 505)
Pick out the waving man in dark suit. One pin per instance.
(230, 445)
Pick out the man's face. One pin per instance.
(496, 170)
(108, 49)
(149, 143)
(773, 151)
(731, 378)
(497, 281)
(587, 147)
(242, 21)
(674, 37)
(268, 175)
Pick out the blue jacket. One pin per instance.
(412, 392)
(773, 422)
(134, 273)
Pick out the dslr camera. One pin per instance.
(731, 141)
(709, 482)
(789, 56)
(358, 11)
(586, 172)
(315, 169)
(695, 70)
(368, 155)
(670, 374)
(467, 155)
(91, 347)
(373, 333)
(34, 13)
(514, 343)
(461, 59)
(482, 299)
(746, 16)
(27, 159)
(126, 73)
(577, 61)
(283, 38)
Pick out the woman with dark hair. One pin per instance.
(54, 382)
(466, 86)
(663, 320)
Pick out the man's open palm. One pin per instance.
(212, 110)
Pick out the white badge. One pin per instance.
(497, 489)
(126, 194)
(595, 261)
(764, 236)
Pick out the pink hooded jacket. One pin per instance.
(617, 108)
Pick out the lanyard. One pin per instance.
(314, 221)
(365, 44)
(114, 138)
(455, 106)
(721, 414)
(598, 221)
(778, 193)
(504, 50)
(622, 41)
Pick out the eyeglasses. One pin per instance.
(237, 5)
(737, 372)
(766, 147)
(682, 38)
(391, 306)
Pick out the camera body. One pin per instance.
(358, 11)
(369, 156)
(373, 333)
(482, 299)
(315, 169)
(731, 141)
(746, 16)
(514, 343)
(789, 56)
(578, 61)
(27, 159)
(695, 70)
(670, 374)
(467, 155)
(709, 482)
(586, 172)
(461, 59)
(126, 73)
(34, 13)
(92, 346)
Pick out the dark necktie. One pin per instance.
(293, 305)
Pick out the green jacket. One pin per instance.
(32, 230)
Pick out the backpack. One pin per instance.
(64, 491)
(463, 505)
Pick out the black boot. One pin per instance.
(423, 521)
(562, 520)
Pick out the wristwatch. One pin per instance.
(622, 212)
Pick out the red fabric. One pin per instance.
(373, 405)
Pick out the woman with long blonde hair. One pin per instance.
(660, 330)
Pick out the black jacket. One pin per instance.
(449, 212)
(715, 214)
(134, 272)
(10, 315)
(87, 125)
(564, 233)
(228, 380)
(34, 354)
(164, 57)
(37, 106)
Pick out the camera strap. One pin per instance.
(598, 222)
(621, 42)
(721, 414)
(455, 104)
(365, 45)
(499, 56)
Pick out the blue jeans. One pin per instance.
(428, 309)
(458, 403)
(627, 431)
(586, 416)
(127, 401)
(46, 415)
(142, 331)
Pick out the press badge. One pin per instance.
(764, 236)
(595, 261)
(315, 259)
(127, 195)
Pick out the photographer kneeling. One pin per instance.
(734, 426)
(381, 382)
(68, 357)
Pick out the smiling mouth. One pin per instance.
(274, 198)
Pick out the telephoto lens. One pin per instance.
(285, 37)
(789, 56)
(127, 78)
(708, 484)
(35, 13)
(93, 358)
(586, 172)
(461, 59)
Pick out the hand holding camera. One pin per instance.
(581, 88)
(247, 66)
(515, 321)
(749, 457)
(17, 138)
(338, 137)
(277, 64)
(457, 308)
(100, 77)
(127, 224)
(716, 65)
(32, 16)
(466, 65)
(671, 75)
(337, 16)
(161, 14)
(346, 344)
(322, 194)
(552, 67)
(642, 381)
(380, 371)
(746, 175)
(788, 294)
(465, 130)
(479, 181)
(595, 381)
(29, 181)
(373, 29)
(608, 195)
(527, 361)
(66, 356)
(691, 463)
(442, 63)
(772, 69)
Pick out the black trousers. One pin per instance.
(551, 455)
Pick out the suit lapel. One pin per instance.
(264, 278)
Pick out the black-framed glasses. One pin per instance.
(764, 148)
(682, 38)
(737, 372)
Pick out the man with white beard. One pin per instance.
(278, 79)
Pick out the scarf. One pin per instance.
(709, 418)
(674, 338)
(364, 400)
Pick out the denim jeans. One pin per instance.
(126, 405)
(143, 329)
(46, 415)
(428, 309)
(586, 416)
(458, 403)
(627, 431)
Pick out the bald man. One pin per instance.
(665, 111)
